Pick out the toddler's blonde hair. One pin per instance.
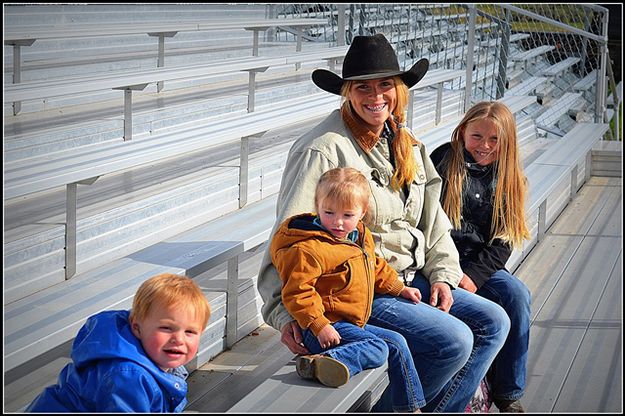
(171, 290)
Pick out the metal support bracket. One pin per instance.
(128, 107)
(232, 307)
(251, 92)
(71, 224)
(17, 66)
(161, 53)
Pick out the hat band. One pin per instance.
(373, 75)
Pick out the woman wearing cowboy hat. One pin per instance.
(453, 334)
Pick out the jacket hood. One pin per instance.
(301, 227)
(107, 336)
(107, 360)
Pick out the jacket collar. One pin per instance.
(472, 165)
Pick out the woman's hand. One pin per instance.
(328, 337)
(467, 284)
(292, 338)
(411, 293)
(441, 297)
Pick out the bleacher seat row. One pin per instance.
(40, 323)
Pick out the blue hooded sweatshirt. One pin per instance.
(111, 372)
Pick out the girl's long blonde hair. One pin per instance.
(405, 164)
(508, 222)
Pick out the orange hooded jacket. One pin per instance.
(327, 279)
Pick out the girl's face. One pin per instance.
(169, 335)
(374, 100)
(339, 221)
(480, 140)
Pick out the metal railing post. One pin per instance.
(468, 86)
(232, 306)
(70, 229)
(244, 171)
(340, 21)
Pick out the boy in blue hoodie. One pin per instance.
(133, 361)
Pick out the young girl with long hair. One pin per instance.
(484, 191)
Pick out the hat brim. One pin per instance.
(332, 83)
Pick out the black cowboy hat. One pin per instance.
(369, 57)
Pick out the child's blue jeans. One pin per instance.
(370, 347)
(510, 365)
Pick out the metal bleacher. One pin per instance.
(177, 212)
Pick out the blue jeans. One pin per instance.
(370, 347)
(452, 351)
(508, 372)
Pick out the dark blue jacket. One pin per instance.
(479, 257)
(111, 372)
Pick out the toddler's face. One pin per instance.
(339, 221)
(169, 335)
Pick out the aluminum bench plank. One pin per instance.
(557, 109)
(121, 79)
(526, 87)
(46, 172)
(435, 77)
(555, 69)
(515, 37)
(532, 53)
(285, 391)
(587, 82)
(574, 145)
(91, 30)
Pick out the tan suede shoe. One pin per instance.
(326, 370)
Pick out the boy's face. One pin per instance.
(339, 221)
(169, 335)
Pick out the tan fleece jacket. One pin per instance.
(409, 230)
(326, 279)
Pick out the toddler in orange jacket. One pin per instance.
(330, 273)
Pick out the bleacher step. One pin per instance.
(154, 113)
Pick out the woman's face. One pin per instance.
(374, 100)
(480, 140)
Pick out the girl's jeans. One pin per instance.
(370, 347)
(507, 374)
(452, 351)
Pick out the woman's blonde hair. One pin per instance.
(405, 164)
(171, 290)
(508, 222)
(346, 187)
